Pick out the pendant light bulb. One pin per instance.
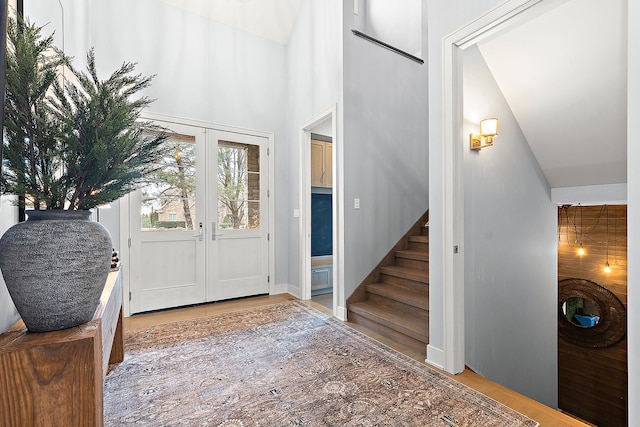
(581, 250)
(607, 269)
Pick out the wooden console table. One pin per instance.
(57, 378)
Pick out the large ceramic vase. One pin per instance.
(55, 266)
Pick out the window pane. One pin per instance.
(238, 186)
(169, 197)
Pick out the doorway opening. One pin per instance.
(320, 255)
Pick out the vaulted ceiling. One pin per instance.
(562, 69)
(563, 73)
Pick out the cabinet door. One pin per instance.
(328, 165)
(317, 163)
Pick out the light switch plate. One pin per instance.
(356, 203)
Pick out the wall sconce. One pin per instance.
(488, 130)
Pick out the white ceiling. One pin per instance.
(271, 19)
(563, 73)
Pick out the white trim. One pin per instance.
(453, 143)
(435, 357)
(125, 259)
(293, 290)
(125, 231)
(340, 313)
(305, 208)
(280, 288)
(148, 115)
(271, 150)
(612, 194)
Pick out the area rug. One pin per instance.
(283, 365)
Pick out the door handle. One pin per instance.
(200, 234)
(213, 231)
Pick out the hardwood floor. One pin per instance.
(543, 414)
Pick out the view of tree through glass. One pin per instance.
(169, 198)
(238, 186)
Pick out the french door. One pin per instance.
(199, 227)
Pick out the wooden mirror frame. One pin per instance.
(612, 326)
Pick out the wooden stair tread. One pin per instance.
(414, 326)
(413, 254)
(419, 239)
(406, 273)
(401, 294)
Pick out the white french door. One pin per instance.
(199, 227)
(238, 257)
(167, 252)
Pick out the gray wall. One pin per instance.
(314, 79)
(510, 252)
(385, 149)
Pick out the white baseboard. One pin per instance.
(341, 313)
(293, 290)
(435, 357)
(280, 288)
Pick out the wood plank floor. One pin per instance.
(543, 414)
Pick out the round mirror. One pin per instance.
(589, 315)
(581, 311)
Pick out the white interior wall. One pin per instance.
(398, 23)
(203, 71)
(385, 149)
(314, 78)
(510, 226)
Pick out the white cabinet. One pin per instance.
(321, 164)
(321, 277)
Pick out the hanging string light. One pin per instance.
(607, 268)
(581, 250)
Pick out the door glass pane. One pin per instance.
(238, 186)
(169, 196)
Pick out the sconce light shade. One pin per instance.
(488, 130)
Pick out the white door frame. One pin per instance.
(125, 205)
(306, 128)
(454, 142)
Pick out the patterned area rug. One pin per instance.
(283, 365)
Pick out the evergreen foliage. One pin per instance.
(76, 144)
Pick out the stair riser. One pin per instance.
(419, 309)
(385, 331)
(418, 246)
(411, 284)
(412, 263)
(417, 298)
(415, 275)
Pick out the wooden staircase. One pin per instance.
(393, 301)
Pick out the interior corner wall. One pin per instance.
(385, 149)
(314, 84)
(510, 235)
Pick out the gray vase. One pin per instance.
(55, 266)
